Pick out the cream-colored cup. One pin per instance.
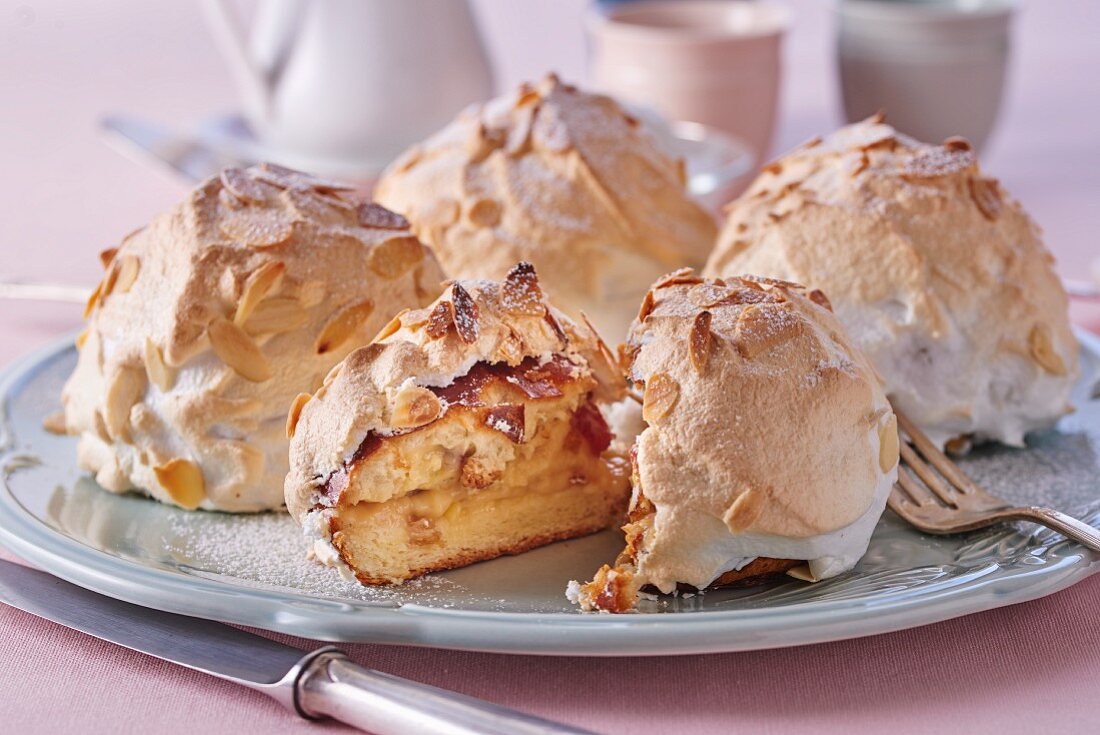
(935, 67)
(715, 62)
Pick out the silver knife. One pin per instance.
(315, 684)
(182, 157)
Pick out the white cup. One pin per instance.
(935, 67)
(715, 62)
(352, 83)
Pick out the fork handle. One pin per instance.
(1068, 526)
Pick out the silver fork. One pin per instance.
(922, 498)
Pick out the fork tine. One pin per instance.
(925, 473)
(935, 457)
(917, 492)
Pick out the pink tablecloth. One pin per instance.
(64, 196)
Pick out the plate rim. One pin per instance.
(638, 634)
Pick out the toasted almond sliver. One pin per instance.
(395, 256)
(465, 314)
(484, 213)
(159, 373)
(262, 228)
(243, 186)
(125, 389)
(263, 281)
(295, 413)
(377, 216)
(107, 256)
(54, 423)
(390, 328)
(888, 444)
(128, 268)
(661, 394)
(1041, 346)
(521, 293)
(986, 196)
(440, 320)
(647, 306)
(276, 315)
(237, 350)
(81, 339)
(414, 407)
(700, 341)
(183, 481)
(342, 326)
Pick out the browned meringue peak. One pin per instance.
(564, 179)
(210, 320)
(768, 436)
(937, 273)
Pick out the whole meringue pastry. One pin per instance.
(211, 320)
(938, 275)
(769, 444)
(564, 179)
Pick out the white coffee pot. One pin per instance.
(351, 82)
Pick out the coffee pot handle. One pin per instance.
(256, 76)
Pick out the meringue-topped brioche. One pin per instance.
(939, 276)
(769, 445)
(213, 318)
(467, 430)
(564, 179)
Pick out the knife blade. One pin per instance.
(315, 684)
(179, 156)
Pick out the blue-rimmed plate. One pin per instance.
(252, 570)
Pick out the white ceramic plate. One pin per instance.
(251, 569)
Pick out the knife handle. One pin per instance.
(330, 685)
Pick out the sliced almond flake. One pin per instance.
(521, 293)
(484, 213)
(380, 218)
(700, 341)
(987, 196)
(395, 256)
(818, 297)
(936, 162)
(390, 328)
(556, 328)
(106, 256)
(183, 481)
(81, 339)
(158, 372)
(55, 423)
(243, 186)
(128, 268)
(263, 281)
(465, 314)
(237, 350)
(288, 178)
(682, 275)
(520, 134)
(762, 327)
(341, 326)
(957, 143)
(414, 407)
(1041, 346)
(295, 413)
(772, 281)
(257, 228)
(648, 302)
(550, 132)
(275, 315)
(661, 394)
(440, 320)
(126, 388)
